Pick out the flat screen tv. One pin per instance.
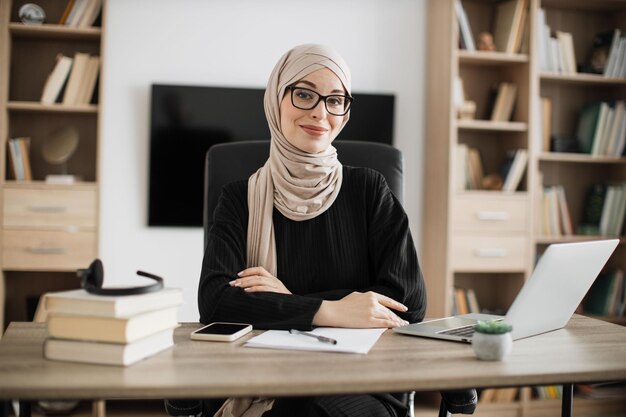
(185, 121)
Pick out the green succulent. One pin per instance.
(493, 327)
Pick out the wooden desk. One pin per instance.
(587, 350)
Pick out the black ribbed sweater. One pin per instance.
(361, 243)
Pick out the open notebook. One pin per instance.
(348, 340)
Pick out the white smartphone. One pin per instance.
(221, 331)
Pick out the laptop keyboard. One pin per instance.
(465, 331)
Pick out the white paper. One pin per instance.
(348, 340)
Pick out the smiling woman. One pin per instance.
(306, 241)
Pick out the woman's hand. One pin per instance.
(360, 310)
(257, 279)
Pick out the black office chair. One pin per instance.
(230, 162)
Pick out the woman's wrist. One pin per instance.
(324, 314)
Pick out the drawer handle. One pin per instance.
(43, 250)
(493, 215)
(47, 209)
(490, 252)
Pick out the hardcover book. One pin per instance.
(84, 303)
(111, 329)
(108, 353)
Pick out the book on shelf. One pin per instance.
(82, 302)
(564, 212)
(66, 12)
(475, 169)
(498, 395)
(542, 40)
(72, 90)
(556, 215)
(76, 13)
(606, 296)
(602, 390)
(515, 173)
(24, 147)
(604, 210)
(111, 329)
(611, 68)
(19, 158)
(461, 156)
(108, 353)
(88, 81)
(504, 102)
(546, 122)
(547, 392)
(464, 301)
(90, 14)
(552, 214)
(509, 25)
(613, 143)
(56, 80)
(460, 301)
(566, 52)
(601, 128)
(466, 39)
(469, 174)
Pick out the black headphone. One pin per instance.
(93, 277)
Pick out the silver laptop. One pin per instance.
(547, 300)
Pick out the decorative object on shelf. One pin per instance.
(492, 182)
(492, 340)
(467, 111)
(485, 42)
(32, 14)
(57, 149)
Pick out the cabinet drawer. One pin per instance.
(490, 214)
(489, 253)
(50, 209)
(47, 250)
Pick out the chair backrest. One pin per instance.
(228, 162)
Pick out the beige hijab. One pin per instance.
(299, 184)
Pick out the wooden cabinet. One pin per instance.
(48, 230)
(488, 241)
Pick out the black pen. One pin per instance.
(322, 339)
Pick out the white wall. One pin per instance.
(234, 43)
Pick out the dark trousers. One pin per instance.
(365, 405)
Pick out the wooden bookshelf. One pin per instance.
(48, 230)
(449, 222)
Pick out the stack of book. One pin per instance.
(556, 50)
(557, 220)
(464, 301)
(73, 80)
(109, 330)
(601, 129)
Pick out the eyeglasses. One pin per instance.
(305, 99)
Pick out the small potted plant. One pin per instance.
(492, 340)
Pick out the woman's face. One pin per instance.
(312, 131)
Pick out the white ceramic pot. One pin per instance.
(492, 347)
